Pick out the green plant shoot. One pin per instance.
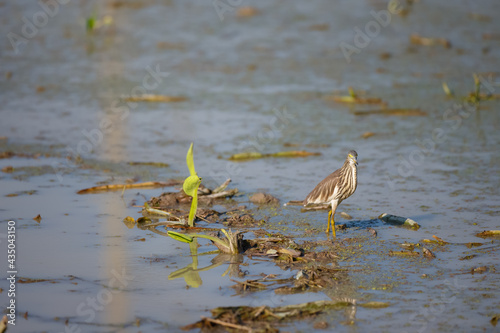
(191, 185)
(190, 161)
(91, 22)
(180, 237)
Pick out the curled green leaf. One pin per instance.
(191, 184)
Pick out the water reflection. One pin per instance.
(313, 272)
(112, 145)
(190, 272)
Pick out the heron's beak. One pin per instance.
(354, 159)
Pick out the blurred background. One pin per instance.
(412, 86)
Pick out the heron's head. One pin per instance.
(352, 157)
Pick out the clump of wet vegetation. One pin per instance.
(268, 319)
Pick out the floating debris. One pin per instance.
(471, 245)
(489, 233)
(30, 280)
(491, 36)
(129, 222)
(155, 98)
(15, 194)
(256, 155)
(171, 46)
(409, 246)
(263, 317)
(439, 240)
(3, 324)
(37, 218)
(247, 11)
(477, 96)
(428, 253)
(155, 164)
(385, 55)
(8, 169)
(398, 220)
(374, 305)
(248, 285)
(404, 253)
(319, 27)
(469, 257)
(290, 252)
(494, 319)
(254, 317)
(7, 154)
(309, 145)
(121, 187)
(479, 270)
(447, 90)
(353, 98)
(155, 212)
(392, 112)
(479, 17)
(222, 186)
(428, 41)
(436, 240)
(367, 135)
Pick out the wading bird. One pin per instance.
(336, 187)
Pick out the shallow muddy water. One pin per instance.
(262, 83)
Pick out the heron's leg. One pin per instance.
(328, 223)
(334, 208)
